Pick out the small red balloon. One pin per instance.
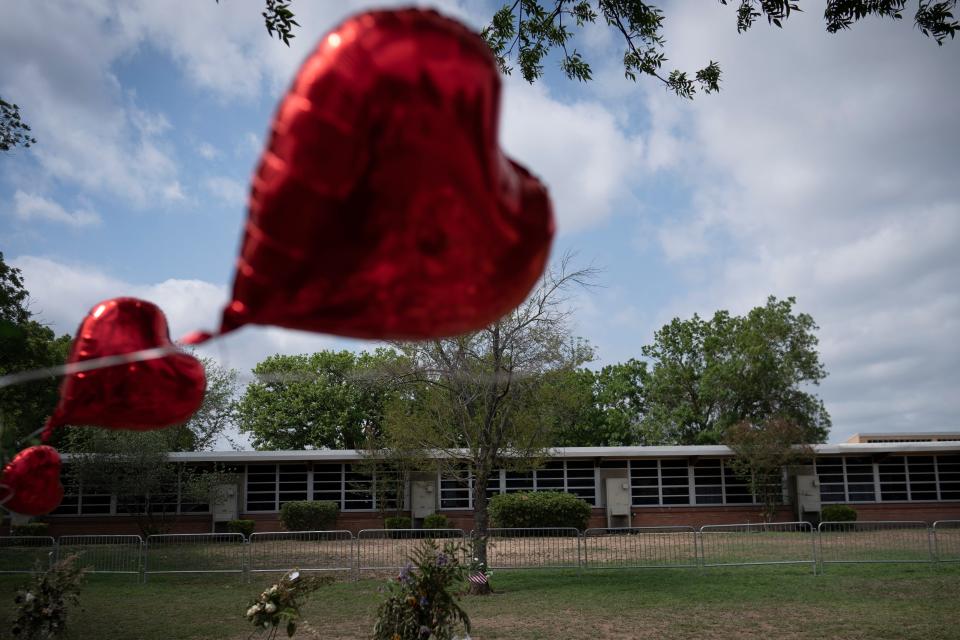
(30, 483)
(139, 396)
(383, 206)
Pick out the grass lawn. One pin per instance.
(878, 601)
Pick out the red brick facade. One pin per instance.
(695, 516)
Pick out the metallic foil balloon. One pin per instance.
(140, 395)
(30, 483)
(383, 206)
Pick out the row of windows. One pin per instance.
(889, 479)
(172, 500)
(673, 481)
(653, 482)
(571, 476)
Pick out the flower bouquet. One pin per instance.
(280, 604)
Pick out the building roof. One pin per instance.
(349, 455)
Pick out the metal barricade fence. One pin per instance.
(878, 541)
(104, 554)
(303, 550)
(946, 540)
(26, 554)
(757, 544)
(641, 547)
(534, 548)
(390, 549)
(194, 553)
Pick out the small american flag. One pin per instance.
(478, 578)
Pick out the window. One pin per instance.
(859, 474)
(922, 478)
(518, 481)
(893, 478)
(948, 472)
(736, 490)
(292, 482)
(358, 490)
(645, 482)
(261, 487)
(708, 481)
(328, 483)
(674, 482)
(455, 489)
(580, 480)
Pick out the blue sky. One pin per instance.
(827, 169)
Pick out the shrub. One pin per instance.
(41, 605)
(245, 527)
(838, 513)
(397, 522)
(421, 602)
(539, 509)
(436, 521)
(305, 515)
(30, 529)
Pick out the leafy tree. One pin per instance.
(600, 409)
(14, 132)
(478, 399)
(25, 344)
(763, 450)
(710, 374)
(135, 465)
(325, 400)
(527, 31)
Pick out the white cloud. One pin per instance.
(227, 190)
(827, 168)
(580, 150)
(61, 294)
(27, 206)
(207, 151)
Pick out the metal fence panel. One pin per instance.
(946, 540)
(194, 553)
(104, 554)
(760, 543)
(879, 541)
(643, 547)
(537, 548)
(25, 554)
(390, 549)
(303, 550)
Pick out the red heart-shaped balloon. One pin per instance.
(30, 483)
(383, 206)
(142, 395)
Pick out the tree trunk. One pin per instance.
(480, 528)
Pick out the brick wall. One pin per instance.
(642, 517)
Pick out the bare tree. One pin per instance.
(473, 402)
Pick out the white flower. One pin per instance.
(29, 597)
(294, 575)
(252, 611)
(272, 590)
(270, 608)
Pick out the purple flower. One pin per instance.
(423, 601)
(424, 631)
(405, 574)
(441, 559)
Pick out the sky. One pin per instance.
(827, 168)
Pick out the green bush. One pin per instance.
(398, 522)
(436, 521)
(245, 527)
(320, 515)
(30, 529)
(539, 509)
(838, 513)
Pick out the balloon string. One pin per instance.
(197, 337)
(87, 365)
